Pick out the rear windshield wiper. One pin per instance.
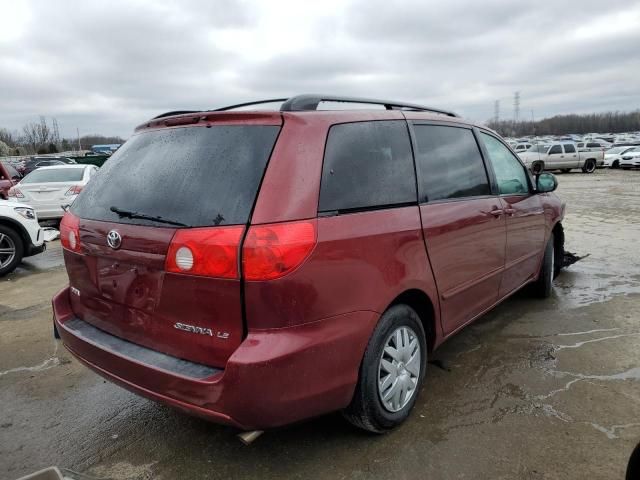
(130, 214)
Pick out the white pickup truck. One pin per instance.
(560, 156)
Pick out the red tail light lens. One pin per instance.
(15, 192)
(74, 190)
(211, 252)
(272, 251)
(70, 232)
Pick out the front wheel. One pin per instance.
(615, 164)
(543, 286)
(11, 250)
(391, 373)
(589, 166)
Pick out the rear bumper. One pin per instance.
(274, 378)
(48, 212)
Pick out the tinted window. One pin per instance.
(510, 174)
(449, 163)
(593, 145)
(197, 176)
(555, 149)
(580, 145)
(367, 164)
(12, 172)
(568, 148)
(54, 175)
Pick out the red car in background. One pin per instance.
(303, 261)
(9, 176)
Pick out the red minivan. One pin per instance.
(257, 268)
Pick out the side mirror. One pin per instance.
(546, 182)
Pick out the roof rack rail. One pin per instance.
(307, 102)
(175, 112)
(310, 102)
(248, 104)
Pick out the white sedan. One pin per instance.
(48, 189)
(613, 156)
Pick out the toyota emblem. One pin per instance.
(114, 240)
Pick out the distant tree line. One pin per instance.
(609, 122)
(43, 137)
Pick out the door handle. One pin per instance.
(561, 156)
(496, 212)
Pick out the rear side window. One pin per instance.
(568, 148)
(593, 145)
(54, 175)
(449, 163)
(555, 149)
(196, 176)
(367, 165)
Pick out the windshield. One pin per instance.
(195, 176)
(539, 148)
(43, 175)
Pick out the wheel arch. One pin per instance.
(10, 223)
(422, 304)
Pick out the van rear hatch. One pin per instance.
(159, 232)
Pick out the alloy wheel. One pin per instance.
(7, 250)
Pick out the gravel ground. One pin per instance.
(533, 390)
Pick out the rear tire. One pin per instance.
(392, 366)
(589, 166)
(543, 286)
(11, 250)
(615, 164)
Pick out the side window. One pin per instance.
(580, 145)
(510, 174)
(449, 163)
(593, 145)
(569, 148)
(555, 149)
(367, 165)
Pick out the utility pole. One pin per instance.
(79, 144)
(516, 107)
(496, 113)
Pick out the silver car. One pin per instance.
(48, 189)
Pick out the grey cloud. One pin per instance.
(107, 66)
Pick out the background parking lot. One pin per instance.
(535, 390)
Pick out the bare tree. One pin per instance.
(8, 138)
(37, 135)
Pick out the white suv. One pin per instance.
(20, 235)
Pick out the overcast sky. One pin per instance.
(106, 66)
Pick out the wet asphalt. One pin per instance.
(534, 390)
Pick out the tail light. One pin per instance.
(211, 252)
(15, 192)
(74, 190)
(272, 251)
(70, 232)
